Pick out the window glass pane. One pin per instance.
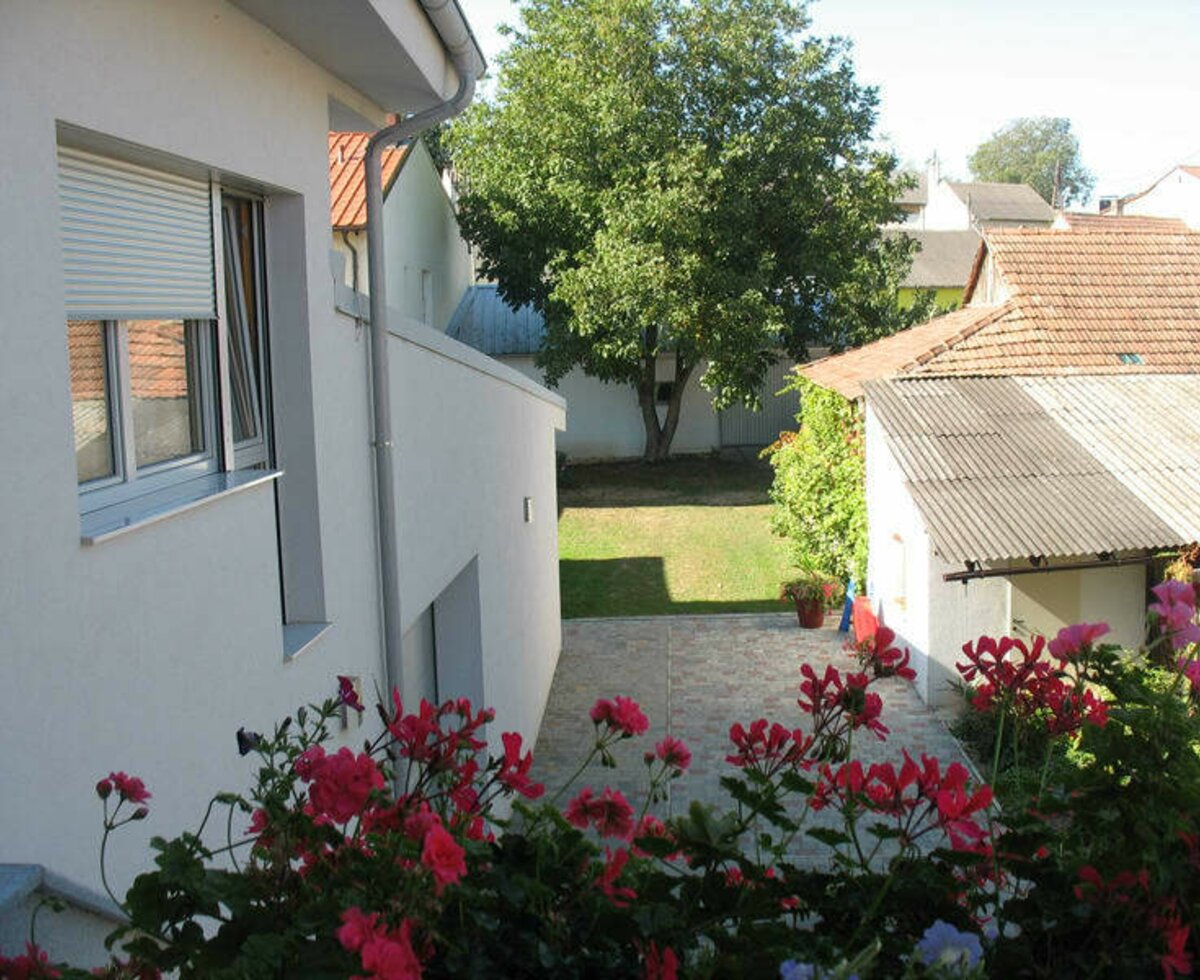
(164, 379)
(90, 388)
(242, 306)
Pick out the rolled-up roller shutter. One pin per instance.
(137, 243)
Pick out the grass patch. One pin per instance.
(688, 536)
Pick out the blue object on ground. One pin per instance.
(847, 606)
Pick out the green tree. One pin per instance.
(1041, 152)
(692, 177)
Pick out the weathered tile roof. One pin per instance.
(1003, 202)
(1090, 301)
(484, 321)
(348, 181)
(898, 353)
(1077, 221)
(944, 260)
(1008, 468)
(918, 194)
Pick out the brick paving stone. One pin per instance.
(694, 676)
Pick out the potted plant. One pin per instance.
(813, 593)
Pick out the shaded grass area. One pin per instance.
(688, 536)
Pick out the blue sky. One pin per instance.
(951, 72)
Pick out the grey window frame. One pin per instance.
(130, 481)
(220, 453)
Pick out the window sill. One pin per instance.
(111, 522)
(299, 638)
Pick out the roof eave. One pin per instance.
(389, 50)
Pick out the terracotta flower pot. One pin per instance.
(811, 613)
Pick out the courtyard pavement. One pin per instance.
(694, 676)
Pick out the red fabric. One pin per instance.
(865, 622)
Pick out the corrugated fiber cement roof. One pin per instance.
(1009, 468)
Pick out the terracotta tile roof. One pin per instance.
(1082, 299)
(846, 372)
(347, 179)
(1090, 301)
(1076, 221)
(157, 359)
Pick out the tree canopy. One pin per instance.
(691, 177)
(1041, 152)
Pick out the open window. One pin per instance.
(166, 329)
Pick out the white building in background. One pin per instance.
(1176, 194)
(429, 266)
(604, 419)
(189, 524)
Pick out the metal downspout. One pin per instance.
(385, 484)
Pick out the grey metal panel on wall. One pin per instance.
(742, 427)
(137, 243)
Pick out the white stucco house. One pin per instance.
(194, 534)
(1028, 455)
(1176, 194)
(429, 266)
(604, 420)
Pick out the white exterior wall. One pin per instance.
(1045, 602)
(1177, 195)
(421, 234)
(475, 438)
(604, 421)
(945, 210)
(932, 617)
(147, 652)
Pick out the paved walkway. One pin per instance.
(694, 676)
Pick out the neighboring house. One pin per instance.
(942, 263)
(1176, 194)
(190, 516)
(945, 217)
(604, 420)
(428, 264)
(1028, 454)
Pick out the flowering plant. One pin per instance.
(814, 587)
(422, 854)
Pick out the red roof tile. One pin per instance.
(1127, 222)
(1077, 301)
(347, 178)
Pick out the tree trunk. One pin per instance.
(659, 435)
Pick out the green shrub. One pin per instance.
(819, 490)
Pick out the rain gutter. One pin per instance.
(452, 28)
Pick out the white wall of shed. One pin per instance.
(1045, 602)
(932, 617)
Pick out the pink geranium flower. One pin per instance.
(621, 714)
(674, 753)
(442, 855)
(1072, 639)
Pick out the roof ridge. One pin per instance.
(993, 314)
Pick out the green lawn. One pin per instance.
(688, 536)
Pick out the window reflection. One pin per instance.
(90, 406)
(165, 386)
